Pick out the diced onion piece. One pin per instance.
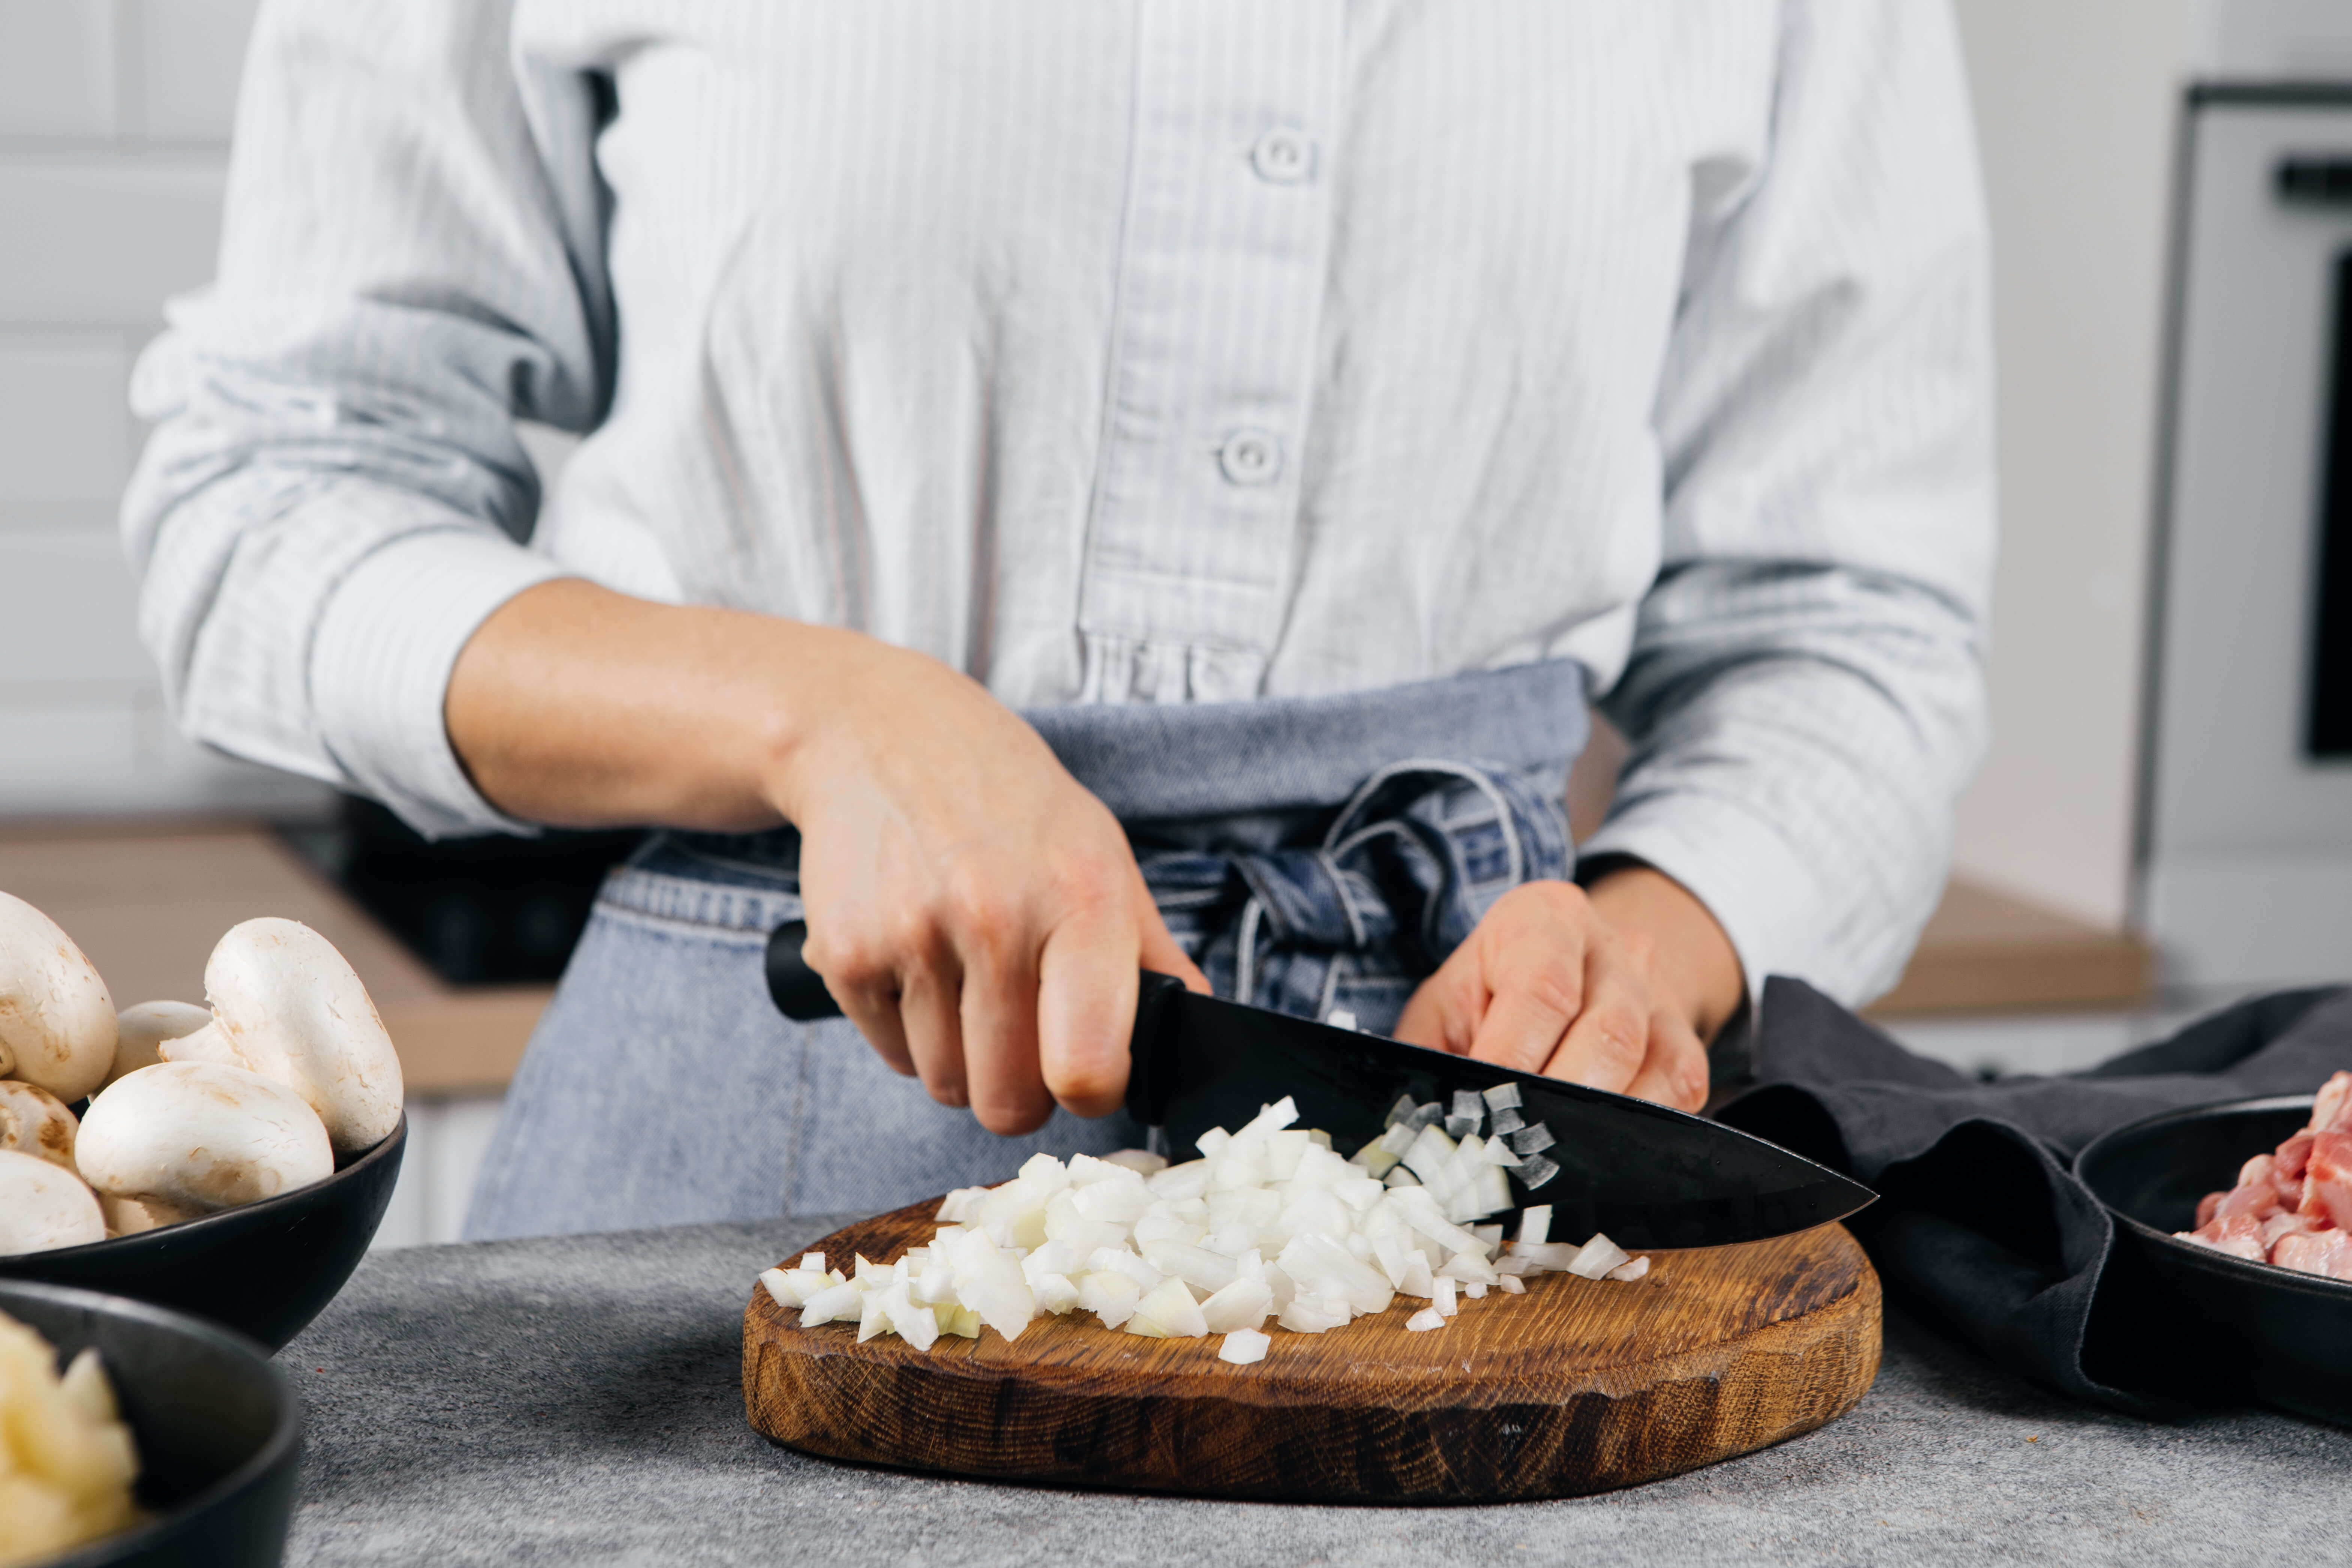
(1511, 1286)
(1399, 1111)
(1547, 1254)
(1631, 1271)
(1469, 1268)
(1428, 1318)
(1475, 1289)
(1375, 1158)
(1535, 1171)
(1498, 1153)
(1423, 1116)
(1535, 1223)
(1109, 1296)
(1168, 1313)
(1340, 1018)
(1502, 1096)
(1443, 1297)
(1508, 1121)
(1597, 1257)
(1311, 1314)
(1243, 1346)
(813, 1262)
(1142, 1162)
(1532, 1140)
(832, 1304)
(1400, 1177)
(1460, 1126)
(1240, 1307)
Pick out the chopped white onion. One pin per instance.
(1340, 1018)
(1269, 1221)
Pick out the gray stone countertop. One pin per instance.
(578, 1399)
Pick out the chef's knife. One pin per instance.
(1646, 1176)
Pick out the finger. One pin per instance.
(1674, 1072)
(930, 1010)
(1086, 984)
(1445, 1011)
(1539, 981)
(868, 995)
(1606, 1045)
(1000, 1039)
(1160, 950)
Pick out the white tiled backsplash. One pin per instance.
(114, 124)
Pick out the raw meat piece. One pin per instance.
(2283, 1224)
(2331, 1111)
(2328, 1252)
(2254, 1194)
(2241, 1236)
(2292, 1207)
(2327, 1181)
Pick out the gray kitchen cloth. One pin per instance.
(1980, 1226)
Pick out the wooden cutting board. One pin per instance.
(1577, 1386)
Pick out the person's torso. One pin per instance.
(1165, 350)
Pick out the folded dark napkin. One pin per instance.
(1980, 1226)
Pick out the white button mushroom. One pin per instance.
(43, 1207)
(288, 1006)
(201, 1135)
(141, 1029)
(34, 1121)
(56, 1021)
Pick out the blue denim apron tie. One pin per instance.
(1396, 882)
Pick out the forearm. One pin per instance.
(578, 706)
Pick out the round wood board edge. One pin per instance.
(1219, 1430)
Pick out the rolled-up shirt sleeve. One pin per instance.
(334, 495)
(1805, 696)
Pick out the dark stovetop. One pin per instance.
(475, 911)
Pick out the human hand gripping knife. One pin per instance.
(1646, 1176)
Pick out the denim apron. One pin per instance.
(1311, 855)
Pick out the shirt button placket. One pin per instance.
(1251, 458)
(1283, 157)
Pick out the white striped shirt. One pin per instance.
(1124, 351)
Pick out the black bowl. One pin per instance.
(265, 1269)
(219, 1430)
(2277, 1334)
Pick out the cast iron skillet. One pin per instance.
(2280, 1336)
(219, 1430)
(265, 1269)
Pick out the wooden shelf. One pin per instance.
(1990, 951)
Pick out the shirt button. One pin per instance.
(1283, 157)
(1251, 458)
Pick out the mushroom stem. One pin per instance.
(143, 1028)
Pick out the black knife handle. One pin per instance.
(800, 995)
(799, 991)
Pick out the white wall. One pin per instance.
(2076, 107)
(115, 121)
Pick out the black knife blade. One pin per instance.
(1646, 1176)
